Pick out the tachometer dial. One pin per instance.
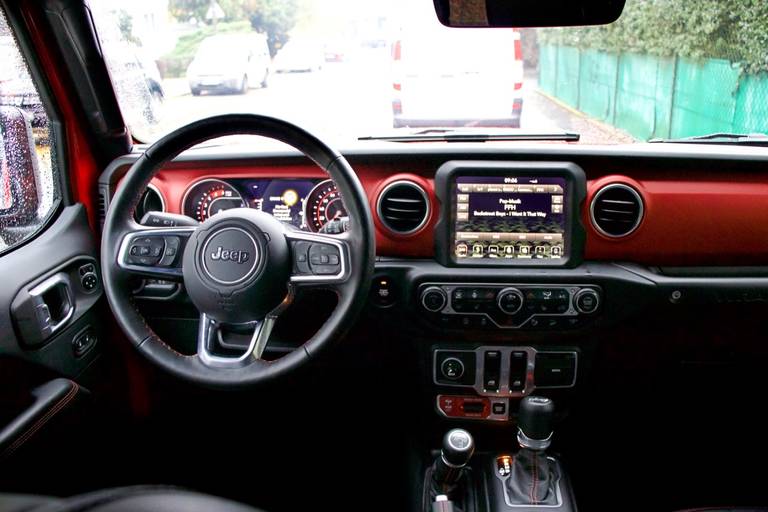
(209, 197)
(323, 205)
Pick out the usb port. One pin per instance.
(473, 407)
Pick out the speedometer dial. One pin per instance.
(209, 197)
(324, 205)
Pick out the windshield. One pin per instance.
(346, 69)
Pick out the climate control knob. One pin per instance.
(586, 301)
(433, 299)
(509, 300)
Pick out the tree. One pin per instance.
(125, 24)
(736, 30)
(275, 18)
(185, 10)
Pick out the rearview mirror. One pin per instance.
(527, 13)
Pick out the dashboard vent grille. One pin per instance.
(103, 203)
(403, 207)
(616, 210)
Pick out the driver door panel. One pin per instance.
(42, 280)
(54, 276)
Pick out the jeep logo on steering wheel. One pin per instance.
(229, 245)
(229, 255)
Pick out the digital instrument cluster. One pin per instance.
(308, 204)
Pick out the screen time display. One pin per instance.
(509, 217)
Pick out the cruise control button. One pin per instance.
(172, 244)
(320, 259)
(301, 257)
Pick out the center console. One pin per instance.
(502, 309)
(524, 477)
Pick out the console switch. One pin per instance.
(492, 370)
(455, 367)
(555, 369)
(518, 366)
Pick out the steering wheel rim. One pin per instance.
(358, 246)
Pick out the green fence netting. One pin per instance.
(650, 96)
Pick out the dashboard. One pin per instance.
(686, 206)
(507, 264)
(307, 204)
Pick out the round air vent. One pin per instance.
(403, 207)
(151, 201)
(616, 210)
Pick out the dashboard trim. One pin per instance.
(694, 195)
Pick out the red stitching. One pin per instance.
(43, 420)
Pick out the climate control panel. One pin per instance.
(509, 306)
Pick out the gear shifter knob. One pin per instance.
(458, 447)
(535, 422)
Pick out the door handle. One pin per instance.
(53, 303)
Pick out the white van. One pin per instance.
(456, 77)
(230, 63)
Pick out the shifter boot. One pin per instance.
(532, 479)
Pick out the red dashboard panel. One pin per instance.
(174, 181)
(708, 219)
(705, 219)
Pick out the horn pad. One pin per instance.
(237, 265)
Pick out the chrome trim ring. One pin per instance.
(513, 291)
(160, 195)
(640, 216)
(254, 264)
(442, 294)
(205, 180)
(533, 444)
(421, 191)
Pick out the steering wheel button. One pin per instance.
(300, 258)
(325, 269)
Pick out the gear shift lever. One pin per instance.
(535, 423)
(533, 477)
(458, 447)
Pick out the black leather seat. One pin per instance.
(124, 499)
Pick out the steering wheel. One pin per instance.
(241, 267)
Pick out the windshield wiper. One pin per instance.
(741, 139)
(443, 135)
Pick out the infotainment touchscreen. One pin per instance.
(510, 217)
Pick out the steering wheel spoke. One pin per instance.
(214, 351)
(154, 253)
(319, 260)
